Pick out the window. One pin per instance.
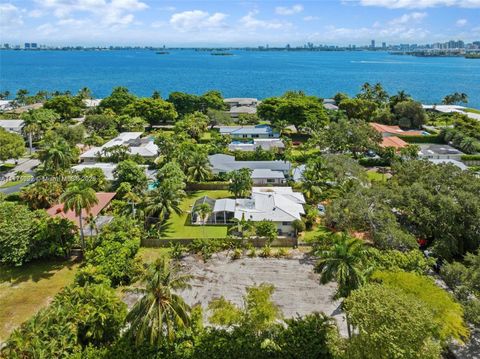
(285, 223)
(270, 180)
(255, 136)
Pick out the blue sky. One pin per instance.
(237, 23)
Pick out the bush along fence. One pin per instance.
(422, 139)
(471, 160)
(256, 242)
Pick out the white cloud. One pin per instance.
(196, 20)
(310, 18)
(10, 16)
(284, 10)
(250, 21)
(408, 18)
(418, 4)
(46, 29)
(108, 12)
(35, 13)
(461, 22)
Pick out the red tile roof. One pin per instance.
(394, 130)
(103, 198)
(393, 141)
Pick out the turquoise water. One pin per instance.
(247, 74)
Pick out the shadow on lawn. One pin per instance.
(34, 271)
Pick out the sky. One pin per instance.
(237, 23)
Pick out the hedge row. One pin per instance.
(422, 139)
(470, 157)
(372, 162)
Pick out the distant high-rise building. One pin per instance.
(33, 45)
(384, 45)
(27, 45)
(372, 45)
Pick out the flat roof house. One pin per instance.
(144, 147)
(266, 144)
(241, 101)
(439, 151)
(265, 171)
(12, 125)
(258, 131)
(280, 205)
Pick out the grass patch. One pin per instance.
(472, 110)
(6, 167)
(149, 255)
(178, 226)
(24, 290)
(317, 230)
(374, 176)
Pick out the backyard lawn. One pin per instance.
(149, 255)
(375, 176)
(307, 236)
(24, 290)
(178, 226)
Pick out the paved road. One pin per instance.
(25, 165)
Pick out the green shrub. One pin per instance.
(422, 139)
(470, 158)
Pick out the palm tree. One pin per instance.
(343, 262)
(160, 311)
(78, 198)
(199, 170)
(92, 224)
(203, 211)
(163, 201)
(56, 155)
(31, 127)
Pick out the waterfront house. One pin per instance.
(243, 132)
(281, 205)
(241, 101)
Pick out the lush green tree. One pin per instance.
(447, 313)
(56, 154)
(85, 93)
(200, 169)
(67, 107)
(294, 108)
(400, 96)
(103, 125)
(11, 145)
(390, 324)
(119, 99)
(160, 312)
(359, 108)
(212, 99)
(93, 178)
(218, 117)
(375, 93)
(77, 198)
(203, 211)
(266, 229)
(71, 134)
(184, 103)
(194, 125)
(130, 124)
(37, 122)
(131, 172)
(355, 137)
(41, 194)
(154, 111)
(240, 182)
(172, 175)
(163, 201)
(395, 260)
(258, 312)
(92, 315)
(248, 119)
(299, 226)
(18, 227)
(410, 114)
(339, 97)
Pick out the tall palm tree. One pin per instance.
(203, 211)
(30, 127)
(160, 311)
(199, 170)
(78, 198)
(344, 263)
(163, 201)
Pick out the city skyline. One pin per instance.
(214, 23)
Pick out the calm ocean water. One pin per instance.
(247, 74)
